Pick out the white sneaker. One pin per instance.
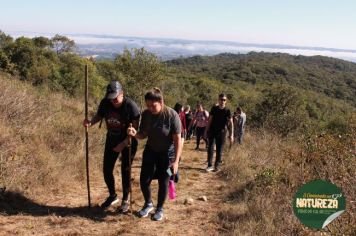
(209, 169)
(147, 208)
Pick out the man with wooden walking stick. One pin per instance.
(118, 111)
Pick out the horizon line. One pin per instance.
(279, 45)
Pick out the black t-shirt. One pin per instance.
(220, 118)
(118, 119)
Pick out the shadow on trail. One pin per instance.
(13, 203)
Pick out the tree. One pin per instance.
(62, 44)
(207, 94)
(108, 70)
(42, 42)
(5, 63)
(282, 110)
(70, 76)
(141, 69)
(5, 40)
(22, 53)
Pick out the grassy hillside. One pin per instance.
(332, 77)
(41, 138)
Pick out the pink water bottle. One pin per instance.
(171, 190)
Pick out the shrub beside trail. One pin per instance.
(266, 171)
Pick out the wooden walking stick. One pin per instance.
(130, 154)
(86, 134)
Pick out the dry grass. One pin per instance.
(41, 139)
(65, 212)
(265, 173)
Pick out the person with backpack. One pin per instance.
(200, 121)
(239, 124)
(220, 118)
(162, 127)
(119, 112)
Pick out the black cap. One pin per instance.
(113, 89)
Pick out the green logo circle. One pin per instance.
(317, 203)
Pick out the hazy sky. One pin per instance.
(324, 23)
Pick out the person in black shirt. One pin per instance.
(220, 118)
(118, 111)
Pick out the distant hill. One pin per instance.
(333, 77)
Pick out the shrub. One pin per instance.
(281, 110)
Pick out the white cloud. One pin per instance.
(194, 47)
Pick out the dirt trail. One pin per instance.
(66, 212)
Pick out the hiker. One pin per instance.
(193, 126)
(118, 111)
(162, 127)
(239, 119)
(179, 109)
(220, 118)
(200, 121)
(188, 120)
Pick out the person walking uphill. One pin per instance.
(188, 120)
(118, 111)
(239, 120)
(179, 109)
(200, 120)
(162, 127)
(220, 118)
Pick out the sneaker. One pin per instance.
(209, 169)
(125, 206)
(158, 216)
(111, 200)
(147, 208)
(216, 169)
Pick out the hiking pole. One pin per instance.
(86, 134)
(130, 154)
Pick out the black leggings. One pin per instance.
(110, 158)
(200, 134)
(155, 165)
